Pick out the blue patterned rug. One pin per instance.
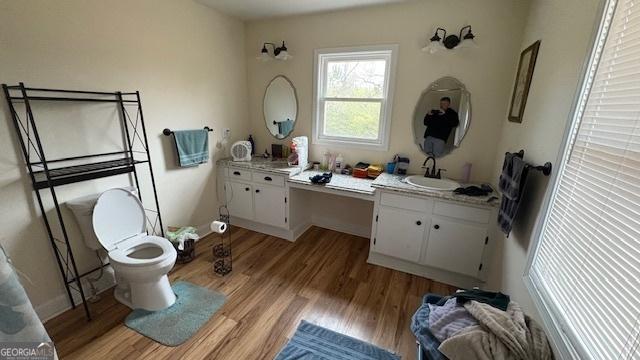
(194, 306)
(315, 342)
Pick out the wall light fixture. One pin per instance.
(449, 42)
(279, 52)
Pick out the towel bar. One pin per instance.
(545, 169)
(167, 132)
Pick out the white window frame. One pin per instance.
(321, 58)
(558, 333)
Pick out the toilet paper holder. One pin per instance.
(223, 259)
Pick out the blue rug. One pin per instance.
(194, 306)
(315, 342)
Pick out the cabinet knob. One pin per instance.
(436, 226)
(236, 173)
(257, 190)
(246, 189)
(418, 222)
(268, 178)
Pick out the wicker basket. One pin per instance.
(188, 253)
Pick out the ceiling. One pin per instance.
(256, 9)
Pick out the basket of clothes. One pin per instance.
(184, 241)
(477, 324)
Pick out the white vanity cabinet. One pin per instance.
(256, 196)
(400, 233)
(270, 205)
(455, 246)
(432, 237)
(239, 199)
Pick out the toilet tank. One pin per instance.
(82, 209)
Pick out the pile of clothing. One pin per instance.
(477, 324)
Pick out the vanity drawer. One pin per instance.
(405, 202)
(239, 173)
(463, 212)
(268, 178)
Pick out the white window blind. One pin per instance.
(585, 268)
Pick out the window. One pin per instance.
(584, 271)
(353, 95)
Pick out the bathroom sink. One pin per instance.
(432, 184)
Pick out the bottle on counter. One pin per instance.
(466, 173)
(339, 164)
(324, 164)
(332, 162)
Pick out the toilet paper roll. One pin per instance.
(218, 227)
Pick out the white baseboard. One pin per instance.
(345, 227)
(263, 228)
(301, 229)
(53, 307)
(60, 303)
(439, 275)
(204, 229)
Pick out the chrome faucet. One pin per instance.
(431, 172)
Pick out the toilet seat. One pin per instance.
(125, 249)
(119, 224)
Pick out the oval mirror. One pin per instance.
(280, 107)
(442, 117)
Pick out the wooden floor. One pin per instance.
(322, 278)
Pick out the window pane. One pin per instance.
(352, 119)
(355, 79)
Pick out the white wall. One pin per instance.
(487, 71)
(187, 60)
(565, 28)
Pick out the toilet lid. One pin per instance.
(118, 215)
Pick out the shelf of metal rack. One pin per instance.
(76, 173)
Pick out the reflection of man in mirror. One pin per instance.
(439, 123)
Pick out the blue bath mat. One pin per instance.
(315, 342)
(194, 306)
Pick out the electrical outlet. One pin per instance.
(226, 133)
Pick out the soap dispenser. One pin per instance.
(253, 145)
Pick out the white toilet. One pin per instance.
(141, 261)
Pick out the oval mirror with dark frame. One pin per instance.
(442, 117)
(280, 107)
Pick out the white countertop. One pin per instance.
(397, 183)
(350, 184)
(278, 166)
(338, 182)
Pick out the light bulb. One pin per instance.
(468, 43)
(264, 57)
(284, 55)
(433, 47)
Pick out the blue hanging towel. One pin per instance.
(192, 147)
(285, 127)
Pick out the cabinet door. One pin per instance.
(455, 246)
(400, 233)
(270, 205)
(239, 199)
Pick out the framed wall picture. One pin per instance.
(523, 81)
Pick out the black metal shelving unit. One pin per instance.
(51, 173)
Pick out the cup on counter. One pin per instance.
(391, 167)
(316, 165)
